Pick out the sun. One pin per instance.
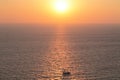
(61, 5)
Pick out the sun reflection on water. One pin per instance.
(59, 58)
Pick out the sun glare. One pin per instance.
(61, 5)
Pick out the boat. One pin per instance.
(66, 73)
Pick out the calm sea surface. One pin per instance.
(39, 52)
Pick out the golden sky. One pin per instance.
(43, 11)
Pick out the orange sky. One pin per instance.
(41, 11)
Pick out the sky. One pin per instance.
(43, 11)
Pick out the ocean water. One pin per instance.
(43, 52)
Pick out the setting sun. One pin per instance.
(61, 5)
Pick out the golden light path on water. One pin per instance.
(60, 57)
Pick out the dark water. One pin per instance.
(37, 52)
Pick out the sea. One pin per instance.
(60, 52)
